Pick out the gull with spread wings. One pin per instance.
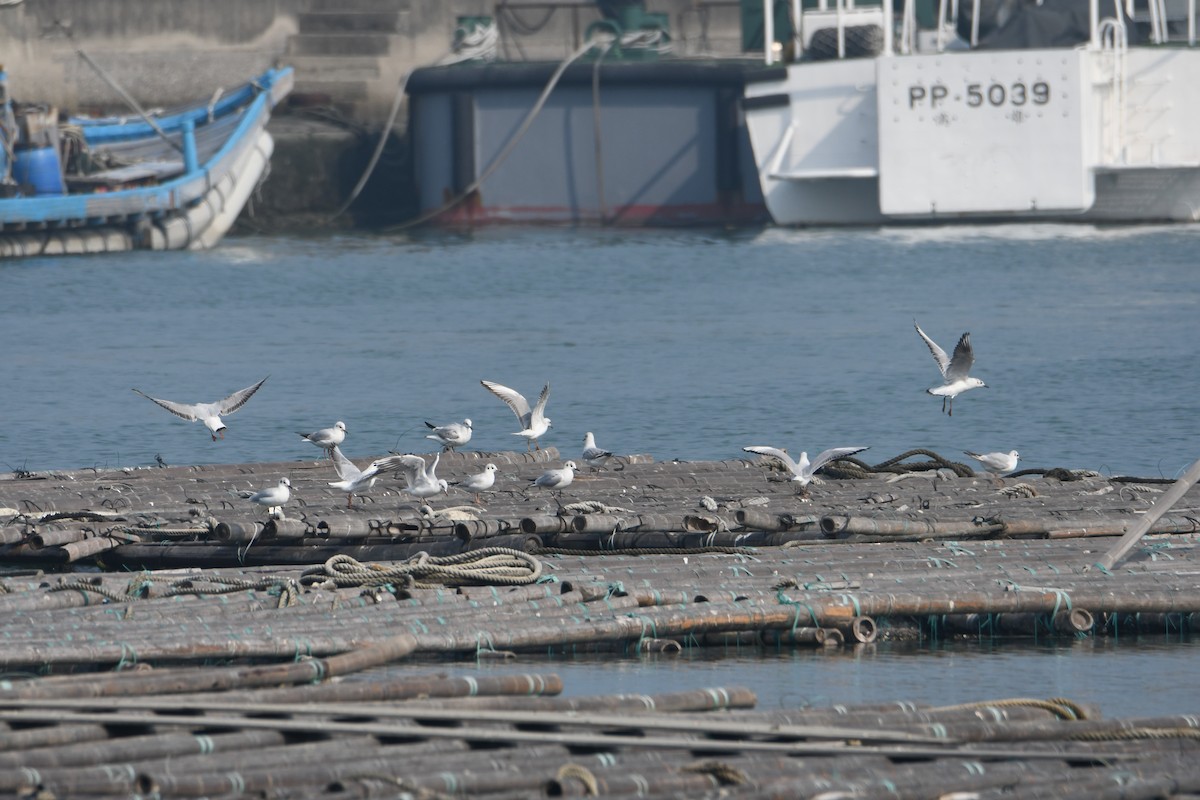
(954, 369)
(208, 413)
(533, 421)
(803, 470)
(420, 481)
(351, 479)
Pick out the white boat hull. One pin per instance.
(1075, 134)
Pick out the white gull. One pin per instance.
(420, 481)
(326, 438)
(954, 369)
(999, 463)
(451, 435)
(479, 482)
(803, 470)
(594, 456)
(208, 413)
(273, 497)
(556, 478)
(533, 420)
(352, 479)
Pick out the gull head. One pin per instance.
(975, 383)
(341, 426)
(467, 422)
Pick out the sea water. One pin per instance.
(683, 344)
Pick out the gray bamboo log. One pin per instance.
(1160, 507)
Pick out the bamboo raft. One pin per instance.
(181, 643)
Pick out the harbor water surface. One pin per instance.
(680, 344)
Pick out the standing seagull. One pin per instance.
(802, 470)
(999, 463)
(452, 435)
(954, 369)
(352, 479)
(421, 482)
(592, 455)
(533, 421)
(209, 413)
(556, 478)
(479, 482)
(326, 438)
(273, 497)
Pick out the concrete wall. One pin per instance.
(169, 51)
(161, 51)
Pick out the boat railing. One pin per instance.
(833, 24)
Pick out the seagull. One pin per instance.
(999, 463)
(594, 456)
(451, 435)
(273, 497)
(802, 470)
(421, 482)
(954, 369)
(556, 478)
(533, 422)
(352, 479)
(479, 482)
(209, 413)
(326, 438)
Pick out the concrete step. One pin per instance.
(336, 68)
(355, 22)
(340, 44)
(334, 92)
(359, 6)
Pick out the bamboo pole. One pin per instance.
(1160, 507)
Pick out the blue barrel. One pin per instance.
(40, 168)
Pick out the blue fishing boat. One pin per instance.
(157, 181)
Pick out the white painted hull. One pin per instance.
(1107, 137)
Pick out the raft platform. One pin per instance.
(164, 637)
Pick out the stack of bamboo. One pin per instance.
(199, 516)
(176, 734)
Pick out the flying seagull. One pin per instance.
(208, 413)
(450, 435)
(533, 421)
(802, 470)
(352, 480)
(954, 369)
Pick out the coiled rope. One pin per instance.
(482, 567)
(1059, 706)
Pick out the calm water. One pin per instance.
(681, 344)
(1152, 676)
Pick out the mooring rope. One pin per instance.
(139, 588)
(1059, 706)
(1127, 734)
(642, 551)
(591, 787)
(482, 567)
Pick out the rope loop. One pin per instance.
(483, 567)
